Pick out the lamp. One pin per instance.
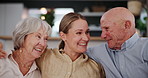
(135, 6)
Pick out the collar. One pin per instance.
(131, 41)
(82, 56)
(33, 67)
(127, 44)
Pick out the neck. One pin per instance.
(118, 45)
(125, 38)
(24, 62)
(72, 55)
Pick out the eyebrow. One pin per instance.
(81, 29)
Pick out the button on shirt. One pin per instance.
(10, 69)
(129, 62)
(117, 57)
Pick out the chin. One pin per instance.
(109, 46)
(83, 51)
(37, 56)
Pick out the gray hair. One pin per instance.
(25, 27)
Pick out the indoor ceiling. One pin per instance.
(59, 3)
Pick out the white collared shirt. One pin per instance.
(10, 69)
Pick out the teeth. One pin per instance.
(82, 43)
(38, 49)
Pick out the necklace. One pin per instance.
(24, 65)
(20, 61)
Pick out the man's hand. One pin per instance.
(2, 52)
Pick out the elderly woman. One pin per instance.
(69, 61)
(30, 41)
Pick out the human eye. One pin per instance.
(46, 38)
(78, 33)
(106, 28)
(38, 36)
(87, 32)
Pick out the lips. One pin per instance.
(83, 43)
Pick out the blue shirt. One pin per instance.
(129, 62)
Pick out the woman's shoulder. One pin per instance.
(92, 62)
(48, 52)
(6, 59)
(4, 62)
(99, 68)
(95, 66)
(51, 51)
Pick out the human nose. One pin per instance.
(86, 37)
(42, 42)
(103, 35)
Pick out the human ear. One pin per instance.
(63, 36)
(128, 24)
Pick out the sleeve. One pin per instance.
(145, 53)
(93, 53)
(3, 66)
(89, 51)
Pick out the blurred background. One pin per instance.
(52, 11)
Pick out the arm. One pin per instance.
(145, 53)
(2, 52)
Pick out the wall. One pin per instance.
(10, 14)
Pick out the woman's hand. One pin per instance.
(2, 52)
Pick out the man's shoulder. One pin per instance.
(98, 48)
(142, 41)
(101, 45)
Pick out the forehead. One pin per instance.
(109, 22)
(106, 23)
(79, 24)
(42, 30)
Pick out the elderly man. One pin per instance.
(125, 55)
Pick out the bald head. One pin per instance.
(119, 13)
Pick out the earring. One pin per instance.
(21, 50)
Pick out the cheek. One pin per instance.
(88, 36)
(120, 35)
(73, 41)
(109, 34)
(115, 33)
(30, 43)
